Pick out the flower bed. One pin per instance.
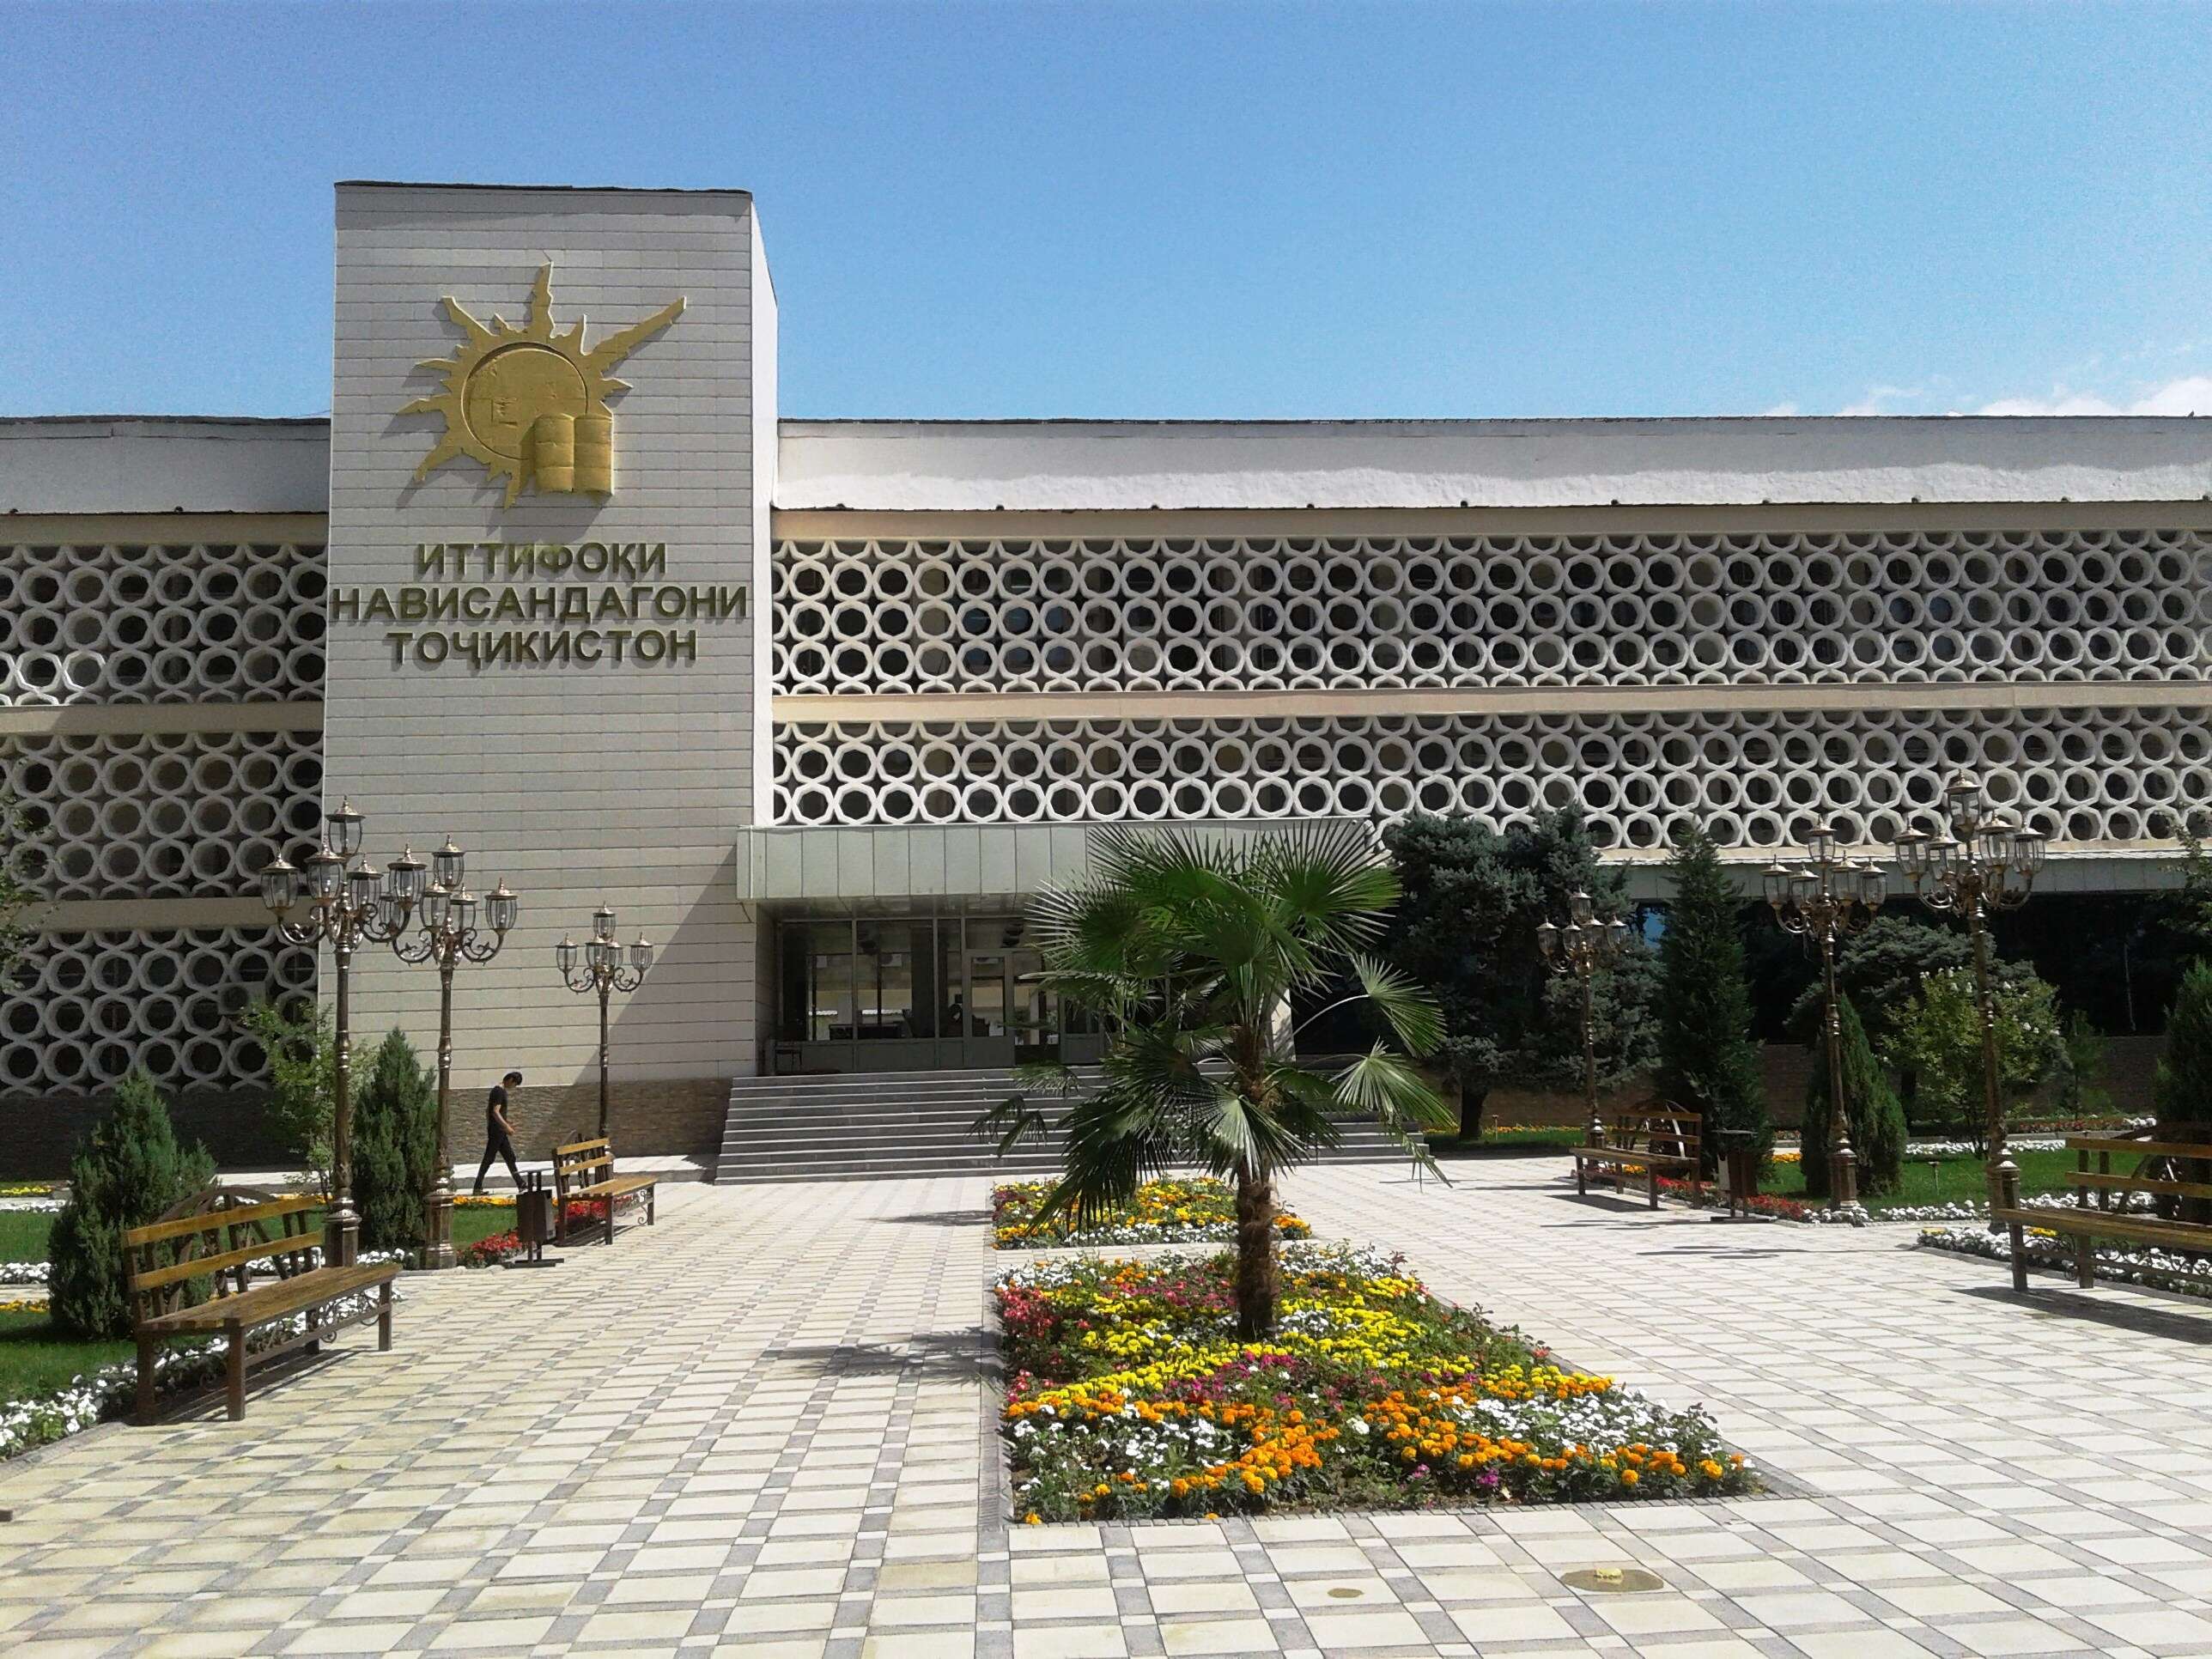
(1199, 1210)
(1131, 1396)
(581, 1214)
(2164, 1270)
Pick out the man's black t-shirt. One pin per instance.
(496, 1103)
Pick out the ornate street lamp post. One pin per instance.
(347, 906)
(1587, 943)
(604, 971)
(1825, 899)
(449, 936)
(1975, 864)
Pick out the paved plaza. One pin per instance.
(760, 1428)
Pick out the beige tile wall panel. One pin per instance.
(575, 783)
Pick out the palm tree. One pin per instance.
(1190, 947)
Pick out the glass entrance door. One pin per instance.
(1035, 1020)
(907, 993)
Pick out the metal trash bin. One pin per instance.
(534, 1218)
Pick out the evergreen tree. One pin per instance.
(1877, 1122)
(127, 1171)
(1465, 927)
(2183, 1092)
(1707, 1057)
(394, 1146)
(303, 1051)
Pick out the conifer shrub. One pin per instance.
(125, 1173)
(1876, 1119)
(395, 1143)
(2182, 1093)
(1708, 1059)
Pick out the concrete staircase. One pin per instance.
(865, 1126)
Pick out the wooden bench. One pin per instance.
(1657, 1140)
(584, 1173)
(2101, 1192)
(207, 1245)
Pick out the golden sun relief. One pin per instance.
(530, 405)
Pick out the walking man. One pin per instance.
(499, 1132)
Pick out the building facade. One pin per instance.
(815, 705)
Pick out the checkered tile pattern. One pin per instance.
(762, 1428)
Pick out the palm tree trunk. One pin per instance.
(1256, 1282)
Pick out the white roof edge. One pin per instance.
(163, 463)
(1102, 465)
(159, 463)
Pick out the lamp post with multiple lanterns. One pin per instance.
(1977, 862)
(1825, 899)
(449, 936)
(348, 905)
(1586, 945)
(604, 970)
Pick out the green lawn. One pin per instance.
(34, 1361)
(1510, 1141)
(1954, 1181)
(23, 1235)
(23, 1232)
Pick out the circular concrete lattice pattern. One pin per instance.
(1335, 612)
(1754, 780)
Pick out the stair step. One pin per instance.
(883, 1125)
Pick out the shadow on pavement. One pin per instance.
(952, 1353)
(2089, 1306)
(946, 1217)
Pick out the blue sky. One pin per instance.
(1194, 209)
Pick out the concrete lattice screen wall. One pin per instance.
(1754, 780)
(183, 752)
(869, 615)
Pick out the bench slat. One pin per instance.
(157, 1232)
(616, 1187)
(2103, 1223)
(264, 1303)
(201, 1267)
(1629, 1155)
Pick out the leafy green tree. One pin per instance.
(303, 1078)
(2081, 1068)
(1708, 1059)
(1466, 928)
(1190, 948)
(2188, 909)
(2182, 1091)
(1938, 1036)
(1877, 1122)
(125, 1173)
(395, 1146)
(1881, 969)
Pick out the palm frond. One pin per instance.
(1383, 1085)
(1410, 1012)
(1333, 882)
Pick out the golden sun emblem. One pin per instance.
(530, 405)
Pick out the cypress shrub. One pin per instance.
(1877, 1120)
(2182, 1093)
(126, 1172)
(1707, 1058)
(395, 1142)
